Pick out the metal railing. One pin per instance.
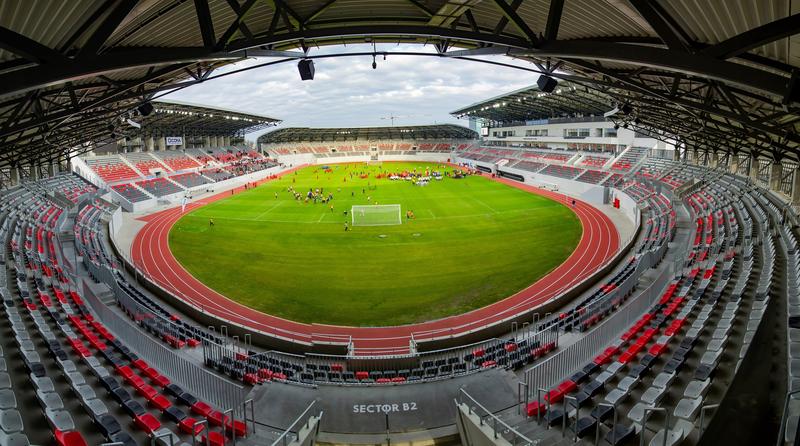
(292, 433)
(487, 418)
(563, 363)
(204, 384)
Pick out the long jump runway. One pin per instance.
(150, 251)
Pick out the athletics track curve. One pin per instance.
(150, 252)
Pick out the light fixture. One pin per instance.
(145, 109)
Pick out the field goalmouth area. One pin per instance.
(376, 215)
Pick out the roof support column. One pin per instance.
(14, 174)
(775, 173)
(753, 172)
(183, 143)
(796, 188)
(714, 160)
(149, 144)
(206, 141)
(34, 169)
(733, 163)
(51, 168)
(162, 143)
(226, 141)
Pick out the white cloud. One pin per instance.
(346, 91)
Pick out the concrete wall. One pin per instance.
(473, 433)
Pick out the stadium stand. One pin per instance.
(567, 172)
(177, 161)
(159, 187)
(189, 180)
(111, 169)
(144, 162)
(130, 192)
(629, 159)
(592, 176)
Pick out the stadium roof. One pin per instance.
(530, 103)
(717, 74)
(188, 118)
(301, 134)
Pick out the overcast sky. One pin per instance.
(347, 92)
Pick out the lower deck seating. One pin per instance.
(159, 187)
(130, 192)
(592, 176)
(188, 180)
(567, 172)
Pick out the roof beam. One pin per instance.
(319, 11)
(115, 16)
(676, 61)
(241, 12)
(510, 14)
(451, 12)
(553, 19)
(205, 23)
(658, 20)
(754, 38)
(421, 7)
(28, 48)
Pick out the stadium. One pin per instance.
(607, 255)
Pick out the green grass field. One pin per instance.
(473, 242)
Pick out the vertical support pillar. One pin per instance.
(733, 163)
(34, 169)
(183, 143)
(150, 144)
(714, 160)
(775, 172)
(51, 168)
(207, 141)
(796, 188)
(753, 173)
(14, 173)
(162, 143)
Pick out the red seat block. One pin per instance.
(215, 418)
(187, 426)
(201, 408)
(237, 426)
(160, 402)
(214, 439)
(535, 408)
(161, 381)
(362, 375)
(71, 438)
(147, 423)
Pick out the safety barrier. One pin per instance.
(564, 362)
(204, 384)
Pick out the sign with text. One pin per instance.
(174, 140)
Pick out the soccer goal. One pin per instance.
(376, 215)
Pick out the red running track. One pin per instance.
(598, 245)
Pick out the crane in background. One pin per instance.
(393, 117)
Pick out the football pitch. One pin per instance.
(471, 242)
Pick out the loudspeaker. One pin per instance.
(306, 69)
(145, 109)
(546, 84)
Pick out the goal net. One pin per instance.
(376, 215)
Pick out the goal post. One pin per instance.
(376, 215)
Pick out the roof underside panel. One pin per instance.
(714, 73)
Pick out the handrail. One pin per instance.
(282, 438)
(784, 417)
(647, 412)
(495, 419)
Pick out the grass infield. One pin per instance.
(472, 242)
